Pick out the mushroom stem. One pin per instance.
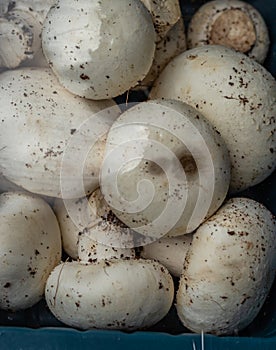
(233, 28)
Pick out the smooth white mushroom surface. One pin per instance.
(238, 96)
(232, 23)
(165, 169)
(30, 247)
(52, 142)
(229, 268)
(99, 50)
(170, 252)
(20, 32)
(113, 294)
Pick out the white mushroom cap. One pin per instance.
(90, 231)
(52, 142)
(90, 250)
(165, 168)
(15, 41)
(118, 294)
(69, 228)
(229, 269)
(165, 14)
(20, 29)
(99, 51)
(237, 95)
(232, 23)
(170, 252)
(170, 46)
(30, 247)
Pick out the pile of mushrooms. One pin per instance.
(100, 205)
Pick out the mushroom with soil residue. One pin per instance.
(99, 50)
(46, 133)
(30, 249)
(108, 288)
(165, 169)
(92, 219)
(20, 32)
(231, 23)
(229, 269)
(238, 97)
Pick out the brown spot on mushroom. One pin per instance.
(84, 76)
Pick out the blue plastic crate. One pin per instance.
(36, 328)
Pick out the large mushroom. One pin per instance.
(110, 294)
(231, 23)
(238, 96)
(52, 142)
(229, 268)
(99, 51)
(165, 168)
(30, 247)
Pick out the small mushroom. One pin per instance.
(238, 96)
(231, 23)
(20, 32)
(229, 269)
(52, 142)
(169, 251)
(30, 247)
(89, 227)
(165, 14)
(169, 47)
(165, 169)
(99, 50)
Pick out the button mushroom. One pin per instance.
(165, 169)
(88, 226)
(237, 95)
(108, 288)
(165, 14)
(169, 251)
(99, 51)
(113, 294)
(52, 142)
(169, 47)
(30, 247)
(20, 32)
(229, 269)
(232, 23)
